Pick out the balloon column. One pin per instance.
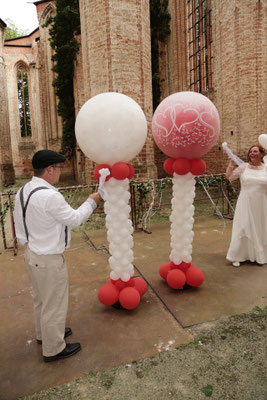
(111, 129)
(185, 126)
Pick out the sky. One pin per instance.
(21, 12)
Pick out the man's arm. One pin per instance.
(18, 220)
(63, 213)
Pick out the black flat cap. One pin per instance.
(44, 158)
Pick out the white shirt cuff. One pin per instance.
(92, 203)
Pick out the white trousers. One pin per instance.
(49, 277)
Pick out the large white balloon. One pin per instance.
(111, 127)
(263, 140)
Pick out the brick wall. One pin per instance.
(240, 78)
(115, 38)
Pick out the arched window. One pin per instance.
(24, 103)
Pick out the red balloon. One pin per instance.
(168, 165)
(140, 285)
(176, 279)
(132, 171)
(120, 284)
(181, 166)
(197, 166)
(164, 269)
(120, 170)
(184, 266)
(130, 282)
(108, 294)
(194, 277)
(174, 266)
(97, 174)
(129, 298)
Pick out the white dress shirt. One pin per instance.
(46, 217)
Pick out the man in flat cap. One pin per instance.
(42, 221)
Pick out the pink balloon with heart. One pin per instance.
(185, 126)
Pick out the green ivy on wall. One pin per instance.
(160, 29)
(65, 25)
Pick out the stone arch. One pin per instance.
(48, 11)
(23, 64)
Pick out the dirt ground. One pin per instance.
(191, 344)
(226, 360)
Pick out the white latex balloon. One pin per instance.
(116, 239)
(125, 276)
(177, 260)
(114, 276)
(112, 261)
(263, 140)
(111, 127)
(188, 259)
(117, 254)
(124, 246)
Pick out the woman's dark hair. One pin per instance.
(261, 150)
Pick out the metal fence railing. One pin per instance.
(150, 201)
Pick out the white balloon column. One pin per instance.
(185, 126)
(111, 129)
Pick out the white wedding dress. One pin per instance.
(249, 234)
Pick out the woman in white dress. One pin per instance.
(249, 234)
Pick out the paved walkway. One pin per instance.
(112, 337)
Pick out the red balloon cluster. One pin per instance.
(127, 293)
(177, 275)
(119, 170)
(182, 166)
(98, 168)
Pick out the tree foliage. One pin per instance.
(12, 31)
(65, 25)
(160, 30)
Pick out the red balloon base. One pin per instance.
(123, 295)
(182, 275)
(181, 166)
(119, 171)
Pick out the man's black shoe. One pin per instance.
(70, 350)
(68, 332)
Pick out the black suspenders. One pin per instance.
(24, 209)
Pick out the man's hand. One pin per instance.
(95, 197)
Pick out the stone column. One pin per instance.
(7, 176)
(115, 46)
